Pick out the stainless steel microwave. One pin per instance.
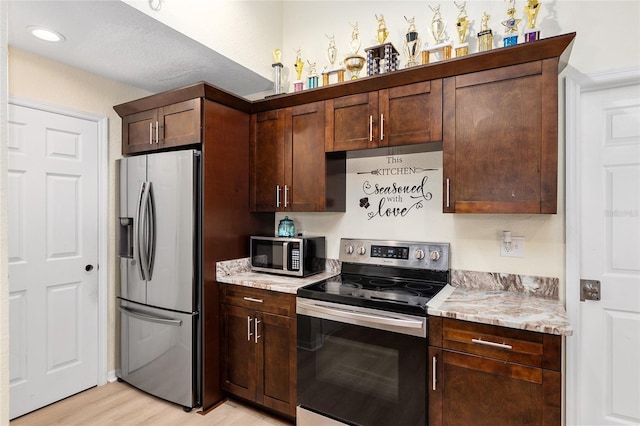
(298, 257)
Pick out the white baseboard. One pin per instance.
(112, 376)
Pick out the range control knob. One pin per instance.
(419, 254)
(362, 250)
(348, 249)
(434, 255)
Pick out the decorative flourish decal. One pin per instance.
(395, 192)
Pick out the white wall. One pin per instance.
(36, 78)
(600, 44)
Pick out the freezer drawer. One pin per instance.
(158, 354)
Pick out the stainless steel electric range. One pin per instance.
(362, 349)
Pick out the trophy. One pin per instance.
(332, 54)
(298, 65)
(312, 81)
(411, 43)
(532, 9)
(382, 33)
(354, 62)
(511, 26)
(438, 28)
(277, 67)
(485, 36)
(462, 26)
(383, 57)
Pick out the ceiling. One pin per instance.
(114, 40)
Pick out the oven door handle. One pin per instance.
(364, 318)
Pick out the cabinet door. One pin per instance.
(352, 122)
(138, 132)
(267, 161)
(305, 169)
(277, 368)
(484, 392)
(239, 353)
(180, 124)
(411, 114)
(500, 140)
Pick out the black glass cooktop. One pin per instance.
(397, 294)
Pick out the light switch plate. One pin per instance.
(517, 248)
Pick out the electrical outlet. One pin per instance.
(516, 249)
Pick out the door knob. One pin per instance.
(88, 268)
(589, 290)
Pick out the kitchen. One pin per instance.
(474, 238)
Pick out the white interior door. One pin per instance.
(53, 254)
(603, 224)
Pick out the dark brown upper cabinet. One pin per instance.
(401, 115)
(289, 168)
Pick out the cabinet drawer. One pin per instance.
(507, 344)
(260, 300)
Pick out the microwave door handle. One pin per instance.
(285, 256)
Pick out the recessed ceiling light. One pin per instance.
(46, 34)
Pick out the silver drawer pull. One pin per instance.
(494, 344)
(251, 299)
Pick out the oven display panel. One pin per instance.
(390, 252)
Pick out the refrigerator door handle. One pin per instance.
(151, 242)
(138, 228)
(143, 232)
(150, 318)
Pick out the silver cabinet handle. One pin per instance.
(370, 128)
(249, 333)
(286, 195)
(150, 133)
(277, 196)
(251, 299)
(157, 138)
(433, 373)
(256, 336)
(494, 344)
(381, 127)
(448, 192)
(150, 318)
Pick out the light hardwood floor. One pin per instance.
(120, 404)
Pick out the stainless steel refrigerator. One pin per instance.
(160, 275)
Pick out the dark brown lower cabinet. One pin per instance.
(259, 347)
(488, 375)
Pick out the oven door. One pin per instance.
(356, 366)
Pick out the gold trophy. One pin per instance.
(354, 62)
(438, 31)
(485, 36)
(382, 33)
(298, 65)
(511, 26)
(411, 43)
(532, 9)
(383, 57)
(332, 55)
(462, 26)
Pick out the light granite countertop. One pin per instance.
(238, 272)
(511, 309)
(514, 301)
